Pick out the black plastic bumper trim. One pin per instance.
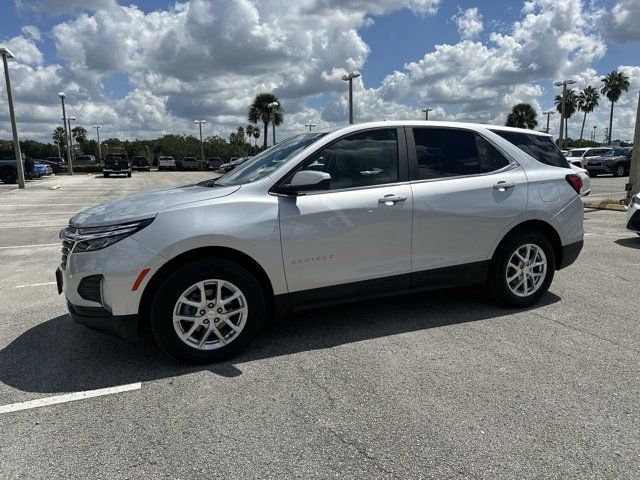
(634, 222)
(101, 320)
(570, 253)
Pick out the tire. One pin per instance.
(128, 174)
(619, 171)
(497, 279)
(593, 174)
(166, 302)
(106, 175)
(8, 178)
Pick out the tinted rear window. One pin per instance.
(539, 147)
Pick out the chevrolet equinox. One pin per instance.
(327, 216)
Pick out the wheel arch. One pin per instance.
(539, 225)
(222, 253)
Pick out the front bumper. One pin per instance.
(101, 320)
(633, 217)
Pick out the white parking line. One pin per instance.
(69, 397)
(34, 284)
(32, 246)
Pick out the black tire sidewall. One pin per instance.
(191, 273)
(498, 282)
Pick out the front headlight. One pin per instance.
(97, 238)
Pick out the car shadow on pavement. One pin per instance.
(629, 242)
(61, 356)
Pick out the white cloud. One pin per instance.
(622, 23)
(469, 23)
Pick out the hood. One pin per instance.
(146, 204)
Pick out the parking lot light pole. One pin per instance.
(63, 96)
(593, 133)
(199, 123)
(98, 127)
(548, 113)
(426, 112)
(633, 186)
(564, 84)
(58, 145)
(310, 125)
(70, 140)
(6, 53)
(349, 78)
(273, 106)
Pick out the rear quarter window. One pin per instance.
(539, 147)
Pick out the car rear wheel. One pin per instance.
(106, 175)
(619, 171)
(522, 269)
(207, 311)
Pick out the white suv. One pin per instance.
(327, 216)
(166, 163)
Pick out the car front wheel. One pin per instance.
(619, 171)
(522, 269)
(207, 311)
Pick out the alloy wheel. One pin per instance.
(526, 270)
(210, 314)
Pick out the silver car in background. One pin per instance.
(327, 216)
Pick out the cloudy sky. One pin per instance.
(142, 68)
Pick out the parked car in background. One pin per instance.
(57, 164)
(578, 156)
(633, 214)
(82, 160)
(232, 164)
(40, 170)
(116, 164)
(190, 163)
(367, 210)
(213, 163)
(616, 161)
(8, 170)
(140, 162)
(166, 163)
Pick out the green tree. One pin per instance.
(522, 115)
(259, 111)
(79, 134)
(587, 102)
(570, 107)
(59, 137)
(249, 131)
(614, 84)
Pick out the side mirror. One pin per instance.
(307, 180)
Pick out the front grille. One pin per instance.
(595, 164)
(67, 244)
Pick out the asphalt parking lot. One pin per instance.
(436, 385)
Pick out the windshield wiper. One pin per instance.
(210, 183)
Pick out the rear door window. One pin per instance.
(539, 147)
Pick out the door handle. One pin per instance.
(392, 199)
(502, 186)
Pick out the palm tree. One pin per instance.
(587, 102)
(614, 84)
(522, 115)
(256, 134)
(570, 106)
(259, 111)
(79, 134)
(249, 131)
(58, 135)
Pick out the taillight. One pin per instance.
(575, 181)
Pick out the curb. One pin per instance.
(605, 206)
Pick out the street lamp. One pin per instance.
(199, 123)
(6, 53)
(70, 142)
(58, 145)
(310, 125)
(63, 96)
(593, 133)
(349, 78)
(273, 106)
(548, 113)
(426, 112)
(98, 127)
(564, 84)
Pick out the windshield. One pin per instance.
(266, 162)
(576, 153)
(616, 152)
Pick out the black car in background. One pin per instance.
(56, 163)
(82, 160)
(116, 164)
(616, 161)
(140, 162)
(190, 163)
(213, 163)
(233, 163)
(8, 170)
